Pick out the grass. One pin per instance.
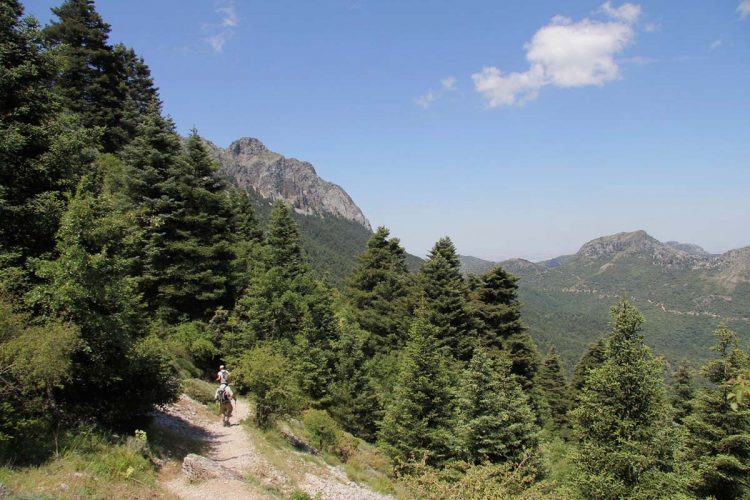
(91, 465)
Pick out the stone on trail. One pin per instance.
(199, 468)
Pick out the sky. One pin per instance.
(519, 129)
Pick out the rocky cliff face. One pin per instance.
(249, 164)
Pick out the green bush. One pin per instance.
(269, 376)
(322, 429)
(199, 390)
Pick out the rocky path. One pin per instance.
(233, 467)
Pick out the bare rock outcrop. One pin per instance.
(249, 164)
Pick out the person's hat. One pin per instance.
(221, 367)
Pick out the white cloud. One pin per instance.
(564, 53)
(627, 13)
(425, 100)
(744, 8)
(447, 84)
(229, 20)
(715, 44)
(229, 15)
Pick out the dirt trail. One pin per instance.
(232, 448)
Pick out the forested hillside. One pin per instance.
(684, 292)
(130, 270)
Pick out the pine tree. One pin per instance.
(246, 240)
(378, 288)
(627, 440)
(718, 435)
(555, 388)
(355, 402)
(43, 152)
(90, 80)
(283, 243)
(140, 92)
(497, 424)
(682, 392)
(185, 216)
(496, 306)
(592, 358)
(420, 420)
(445, 296)
(115, 366)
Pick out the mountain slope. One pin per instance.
(683, 291)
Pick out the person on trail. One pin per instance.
(223, 376)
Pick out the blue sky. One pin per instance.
(517, 128)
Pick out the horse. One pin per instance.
(225, 405)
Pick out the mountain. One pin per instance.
(683, 291)
(249, 164)
(333, 229)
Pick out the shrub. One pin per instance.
(322, 429)
(269, 376)
(199, 390)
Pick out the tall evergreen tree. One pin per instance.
(43, 152)
(378, 288)
(139, 90)
(355, 402)
(283, 243)
(683, 392)
(555, 388)
(627, 440)
(496, 306)
(445, 294)
(497, 424)
(246, 239)
(90, 80)
(115, 367)
(592, 358)
(419, 423)
(185, 217)
(718, 435)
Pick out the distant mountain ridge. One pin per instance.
(248, 163)
(683, 291)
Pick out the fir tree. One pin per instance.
(419, 422)
(718, 435)
(445, 296)
(378, 288)
(496, 306)
(592, 358)
(555, 388)
(115, 366)
(283, 243)
(355, 402)
(185, 216)
(246, 239)
(497, 424)
(90, 80)
(682, 392)
(627, 440)
(43, 152)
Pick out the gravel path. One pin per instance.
(232, 448)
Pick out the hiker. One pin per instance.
(223, 376)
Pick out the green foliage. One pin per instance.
(322, 429)
(592, 358)
(420, 419)
(476, 482)
(555, 388)
(199, 390)
(43, 151)
(496, 422)
(378, 289)
(627, 440)
(90, 80)
(445, 295)
(683, 392)
(718, 436)
(184, 217)
(269, 376)
(355, 402)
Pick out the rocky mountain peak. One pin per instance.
(249, 164)
(640, 244)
